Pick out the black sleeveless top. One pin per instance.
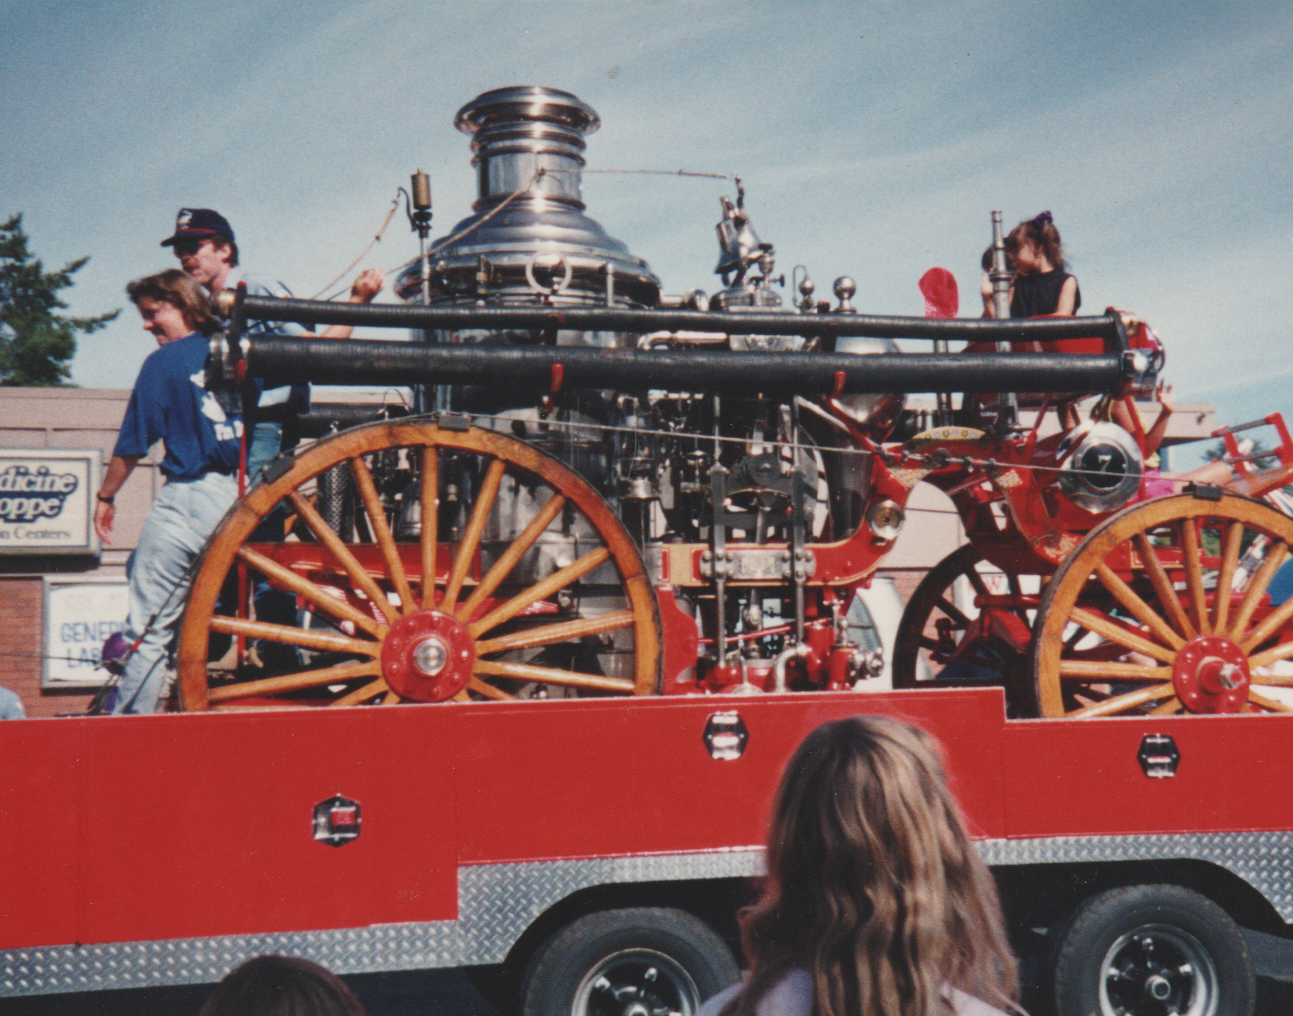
(1039, 293)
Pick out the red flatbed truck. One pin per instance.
(602, 845)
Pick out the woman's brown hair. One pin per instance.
(281, 986)
(873, 886)
(1042, 233)
(181, 291)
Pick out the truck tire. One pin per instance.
(643, 959)
(1150, 950)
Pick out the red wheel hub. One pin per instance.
(1211, 675)
(428, 657)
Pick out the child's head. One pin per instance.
(172, 305)
(1034, 240)
(281, 986)
(873, 885)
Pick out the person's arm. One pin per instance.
(1067, 302)
(367, 286)
(1167, 405)
(105, 512)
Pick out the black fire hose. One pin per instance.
(552, 368)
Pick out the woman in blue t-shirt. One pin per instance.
(201, 428)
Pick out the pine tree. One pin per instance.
(36, 341)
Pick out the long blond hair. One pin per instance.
(873, 886)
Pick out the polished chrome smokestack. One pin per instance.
(537, 246)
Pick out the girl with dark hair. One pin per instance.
(875, 903)
(281, 986)
(1041, 284)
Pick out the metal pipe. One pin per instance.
(376, 362)
(779, 665)
(622, 319)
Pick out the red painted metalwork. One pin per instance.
(428, 656)
(1211, 675)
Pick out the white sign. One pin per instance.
(47, 501)
(79, 615)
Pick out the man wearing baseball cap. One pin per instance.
(204, 243)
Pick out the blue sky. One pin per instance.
(874, 140)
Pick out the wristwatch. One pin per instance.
(106, 500)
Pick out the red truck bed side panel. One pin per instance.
(1083, 777)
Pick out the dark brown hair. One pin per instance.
(220, 238)
(179, 290)
(281, 986)
(873, 886)
(1041, 233)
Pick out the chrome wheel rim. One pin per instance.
(1157, 970)
(637, 982)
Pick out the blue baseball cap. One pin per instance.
(199, 224)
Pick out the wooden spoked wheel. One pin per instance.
(964, 644)
(465, 566)
(1163, 609)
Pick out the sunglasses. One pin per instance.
(185, 248)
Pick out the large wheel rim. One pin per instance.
(409, 619)
(1131, 623)
(637, 982)
(1158, 969)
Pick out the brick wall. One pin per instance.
(20, 648)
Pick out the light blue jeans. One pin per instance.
(185, 513)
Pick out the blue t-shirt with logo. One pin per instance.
(202, 428)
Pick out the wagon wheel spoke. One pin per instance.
(511, 557)
(302, 637)
(356, 644)
(1205, 657)
(382, 532)
(1266, 657)
(487, 691)
(1276, 620)
(976, 582)
(1226, 574)
(1137, 607)
(361, 695)
(429, 492)
(950, 609)
(471, 534)
(1101, 671)
(355, 571)
(302, 586)
(1196, 597)
(1257, 586)
(551, 675)
(1124, 703)
(1267, 703)
(549, 634)
(1114, 632)
(555, 582)
(295, 682)
(1163, 589)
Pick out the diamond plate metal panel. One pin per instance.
(205, 960)
(497, 902)
(1263, 860)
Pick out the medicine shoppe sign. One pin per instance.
(47, 502)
